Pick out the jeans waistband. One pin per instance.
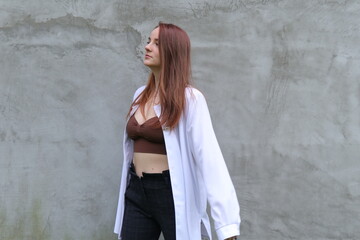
(163, 176)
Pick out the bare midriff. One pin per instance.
(150, 163)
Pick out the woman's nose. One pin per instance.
(147, 47)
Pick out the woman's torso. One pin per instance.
(149, 152)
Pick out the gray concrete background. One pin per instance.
(282, 83)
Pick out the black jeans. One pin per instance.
(149, 207)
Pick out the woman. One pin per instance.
(172, 162)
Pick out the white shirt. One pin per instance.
(198, 174)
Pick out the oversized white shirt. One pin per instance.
(198, 174)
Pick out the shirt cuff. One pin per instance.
(228, 231)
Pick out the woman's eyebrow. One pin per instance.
(154, 39)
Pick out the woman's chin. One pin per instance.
(151, 66)
(146, 63)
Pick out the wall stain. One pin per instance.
(205, 8)
(278, 84)
(93, 36)
(276, 95)
(35, 227)
(200, 10)
(133, 39)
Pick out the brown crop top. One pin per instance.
(147, 139)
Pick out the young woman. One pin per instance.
(172, 163)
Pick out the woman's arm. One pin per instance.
(221, 194)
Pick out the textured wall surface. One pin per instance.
(282, 82)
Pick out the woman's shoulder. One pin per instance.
(193, 94)
(138, 91)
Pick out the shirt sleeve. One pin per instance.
(221, 194)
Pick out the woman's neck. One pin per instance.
(157, 79)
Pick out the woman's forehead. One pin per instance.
(154, 34)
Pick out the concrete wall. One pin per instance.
(282, 84)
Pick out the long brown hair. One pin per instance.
(174, 50)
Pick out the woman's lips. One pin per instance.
(147, 56)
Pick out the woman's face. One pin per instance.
(152, 56)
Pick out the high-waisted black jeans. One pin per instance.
(149, 207)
